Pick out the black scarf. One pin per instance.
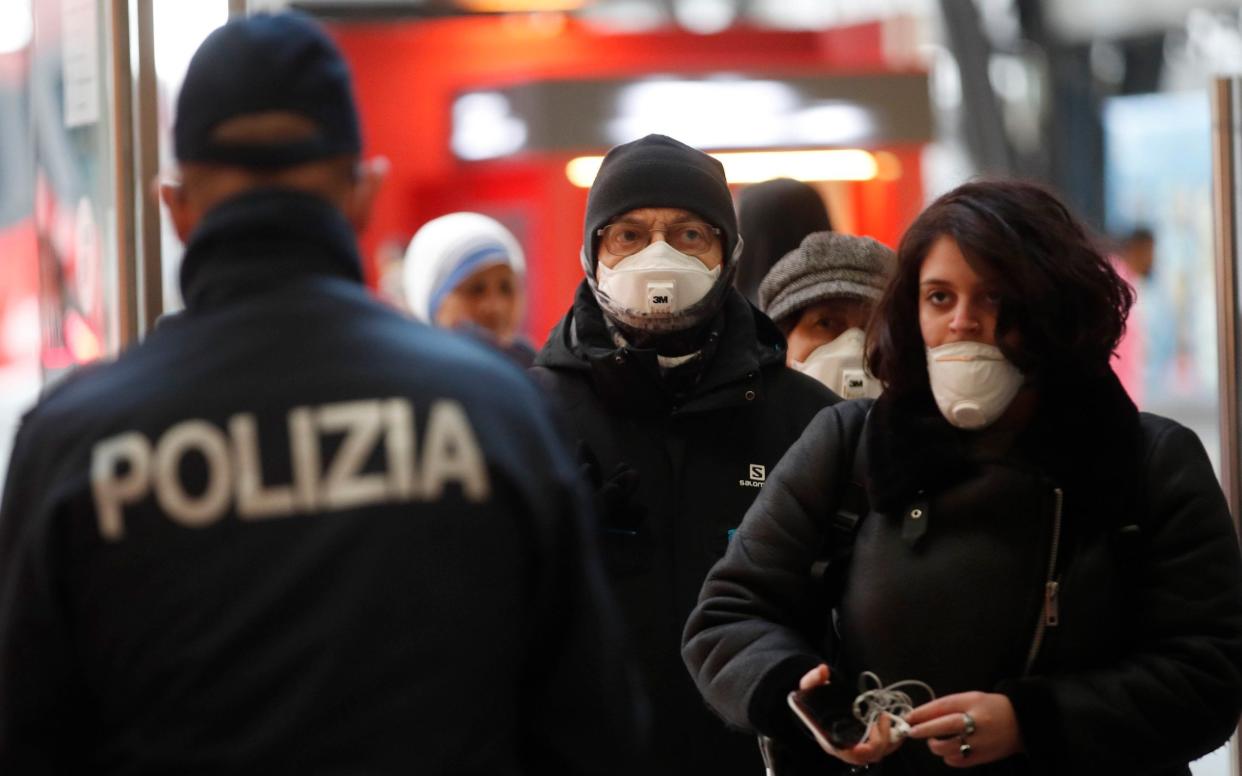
(1084, 436)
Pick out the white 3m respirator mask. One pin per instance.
(659, 279)
(973, 383)
(839, 365)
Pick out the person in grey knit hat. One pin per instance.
(821, 295)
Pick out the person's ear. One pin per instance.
(361, 202)
(174, 197)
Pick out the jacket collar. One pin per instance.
(737, 346)
(263, 240)
(1084, 435)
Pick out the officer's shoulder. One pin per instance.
(67, 398)
(77, 386)
(471, 368)
(461, 352)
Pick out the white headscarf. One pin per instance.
(451, 248)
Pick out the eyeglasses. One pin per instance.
(690, 237)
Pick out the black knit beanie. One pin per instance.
(658, 171)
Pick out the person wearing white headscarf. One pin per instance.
(466, 271)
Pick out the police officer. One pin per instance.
(679, 395)
(292, 532)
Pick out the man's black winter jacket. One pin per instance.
(702, 453)
(294, 532)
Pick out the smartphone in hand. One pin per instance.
(827, 710)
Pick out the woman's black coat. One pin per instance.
(1126, 658)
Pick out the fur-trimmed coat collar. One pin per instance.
(1084, 435)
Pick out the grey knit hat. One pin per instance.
(827, 265)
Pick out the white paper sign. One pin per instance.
(80, 58)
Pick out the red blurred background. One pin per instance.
(408, 74)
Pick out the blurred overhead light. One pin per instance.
(484, 127)
(520, 6)
(715, 113)
(845, 164)
(536, 25)
(706, 17)
(830, 123)
(888, 166)
(733, 112)
(834, 165)
(618, 16)
(16, 25)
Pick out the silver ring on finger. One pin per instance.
(965, 749)
(968, 725)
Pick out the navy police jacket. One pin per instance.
(294, 532)
(701, 445)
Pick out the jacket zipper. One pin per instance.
(1050, 612)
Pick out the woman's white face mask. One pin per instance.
(658, 280)
(973, 383)
(839, 365)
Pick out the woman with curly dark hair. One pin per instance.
(1057, 570)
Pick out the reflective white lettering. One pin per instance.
(304, 450)
(110, 490)
(451, 454)
(210, 442)
(253, 499)
(380, 433)
(399, 447)
(344, 486)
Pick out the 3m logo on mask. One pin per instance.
(659, 297)
(839, 365)
(372, 459)
(658, 280)
(757, 475)
(853, 384)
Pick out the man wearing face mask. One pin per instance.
(821, 296)
(679, 396)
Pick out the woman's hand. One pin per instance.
(969, 728)
(875, 747)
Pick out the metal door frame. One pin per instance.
(1227, 206)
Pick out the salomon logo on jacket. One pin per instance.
(757, 475)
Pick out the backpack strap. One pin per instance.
(829, 569)
(832, 564)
